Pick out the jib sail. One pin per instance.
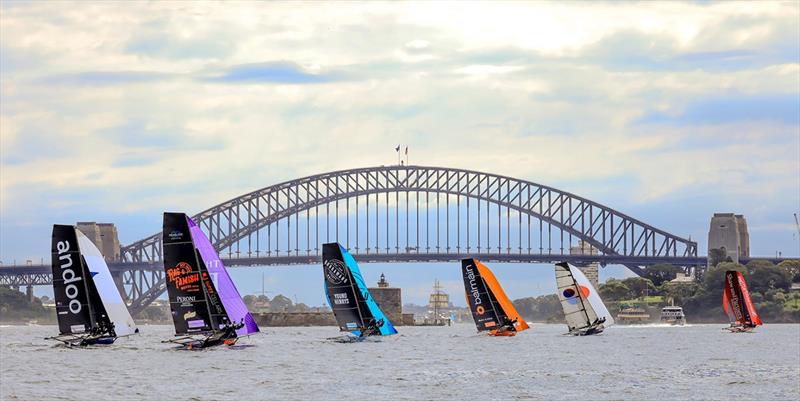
(736, 300)
(347, 294)
(486, 299)
(232, 302)
(105, 298)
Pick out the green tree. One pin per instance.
(758, 264)
(765, 276)
(280, 303)
(639, 286)
(546, 308)
(793, 267)
(662, 272)
(15, 306)
(680, 293)
(717, 256)
(714, 278)
(614, 290)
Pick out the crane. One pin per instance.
(797, 224)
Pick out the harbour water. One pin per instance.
(695, 362)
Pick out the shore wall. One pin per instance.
(285, 319)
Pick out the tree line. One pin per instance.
(770, 289)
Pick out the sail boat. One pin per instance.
(738, 305)
(353, 307)
(207, 309)
(491, 308)
(584, 310)
(89, 306)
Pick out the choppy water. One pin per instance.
(422, 363)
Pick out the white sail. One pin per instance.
(112, 300)
(579, 299)
(594, 297)
(577, 310)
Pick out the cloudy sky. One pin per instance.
(666, 111)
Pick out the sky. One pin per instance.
(665, 111)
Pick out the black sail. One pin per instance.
(486, 312)
(71, 283)
(348, 305)
(98, 310)
(186, 279)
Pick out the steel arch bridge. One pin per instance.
(415, 213)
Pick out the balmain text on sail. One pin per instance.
(473, 285)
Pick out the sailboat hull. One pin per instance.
(507, 333)
(78, 340)
(196, 342)
(740, 329)
(587, 332)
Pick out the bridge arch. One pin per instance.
(607, 230)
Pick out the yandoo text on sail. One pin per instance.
(89, 307)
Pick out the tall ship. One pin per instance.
(738, 305)
(89, 306)
(207, 309)
(352, 304)
(491, 309)
(439, 307)
(583, 309)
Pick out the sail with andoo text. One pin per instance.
(89, 307)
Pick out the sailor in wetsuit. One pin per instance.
(507, 325)
(103, 329)
(373, 327)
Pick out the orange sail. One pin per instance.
(500, 297)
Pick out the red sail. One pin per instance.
(751, 310)
(736, 300)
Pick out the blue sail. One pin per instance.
(388, 328)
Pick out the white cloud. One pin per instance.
(543, 91)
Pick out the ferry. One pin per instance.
(633, 316)
(673, 315)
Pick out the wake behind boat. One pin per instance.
(583, 309)
(89, 306)
(207, 309)
(738, 305)
(491, 308)
(353, 307)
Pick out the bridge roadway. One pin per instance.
(24, 275)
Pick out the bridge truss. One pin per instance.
(413, 213)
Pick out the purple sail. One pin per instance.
(231, 300)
